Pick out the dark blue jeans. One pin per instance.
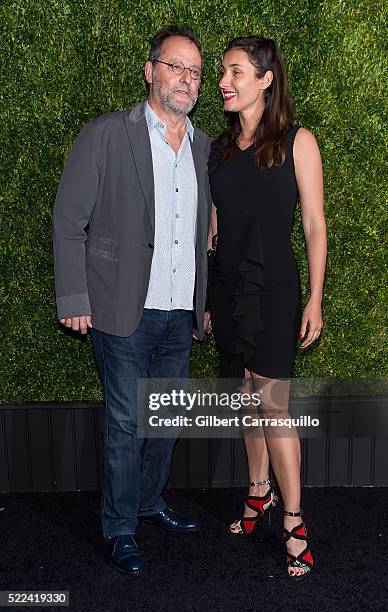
(136, 469)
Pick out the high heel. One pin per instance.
(304, 559)
(261, 505)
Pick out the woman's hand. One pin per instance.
(207, 324)
(312, 318)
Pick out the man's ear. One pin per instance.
(148, 68)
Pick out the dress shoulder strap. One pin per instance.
(291, 133)
(290, 138)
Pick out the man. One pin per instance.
(131, 221)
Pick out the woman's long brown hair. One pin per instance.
(277, 117)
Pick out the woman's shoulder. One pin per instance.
(299, 139)
(305, 141)
(301, 134)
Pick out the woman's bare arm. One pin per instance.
(309, 176)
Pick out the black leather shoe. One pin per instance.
(172, 521)
(125, 556)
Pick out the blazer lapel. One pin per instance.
(199, 158)
(137, 130)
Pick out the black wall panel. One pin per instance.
(46, 447)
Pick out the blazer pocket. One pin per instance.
(108, 241)
(105, 248)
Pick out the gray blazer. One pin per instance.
(104, 223)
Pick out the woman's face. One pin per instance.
(239, 85)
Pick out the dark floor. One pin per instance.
(52, 541)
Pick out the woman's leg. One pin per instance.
(258, 458)
(283, 446)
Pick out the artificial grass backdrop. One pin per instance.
(64, 62)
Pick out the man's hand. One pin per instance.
(78, 324)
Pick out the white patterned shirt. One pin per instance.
(172, 278)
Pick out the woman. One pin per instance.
(257, 169)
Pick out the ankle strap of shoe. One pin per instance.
(300, 513)
(256, 483)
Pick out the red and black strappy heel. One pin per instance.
(304, 559)
(261, 505)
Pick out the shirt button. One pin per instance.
(176, 241)
(176, 189)
(176, 216)
(174, 270)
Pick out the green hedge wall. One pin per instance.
(66, 61)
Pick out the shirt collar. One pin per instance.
(153, 121)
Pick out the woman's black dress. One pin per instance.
(254, 292)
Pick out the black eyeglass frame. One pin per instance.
(177, 63)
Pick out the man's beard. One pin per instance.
(166, 99)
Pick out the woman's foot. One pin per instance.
(261, 498)
(299, 559)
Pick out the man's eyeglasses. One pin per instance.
(178, 68)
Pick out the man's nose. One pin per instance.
(186, 75)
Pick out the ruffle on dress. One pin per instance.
(247, 295)
(247, 313)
